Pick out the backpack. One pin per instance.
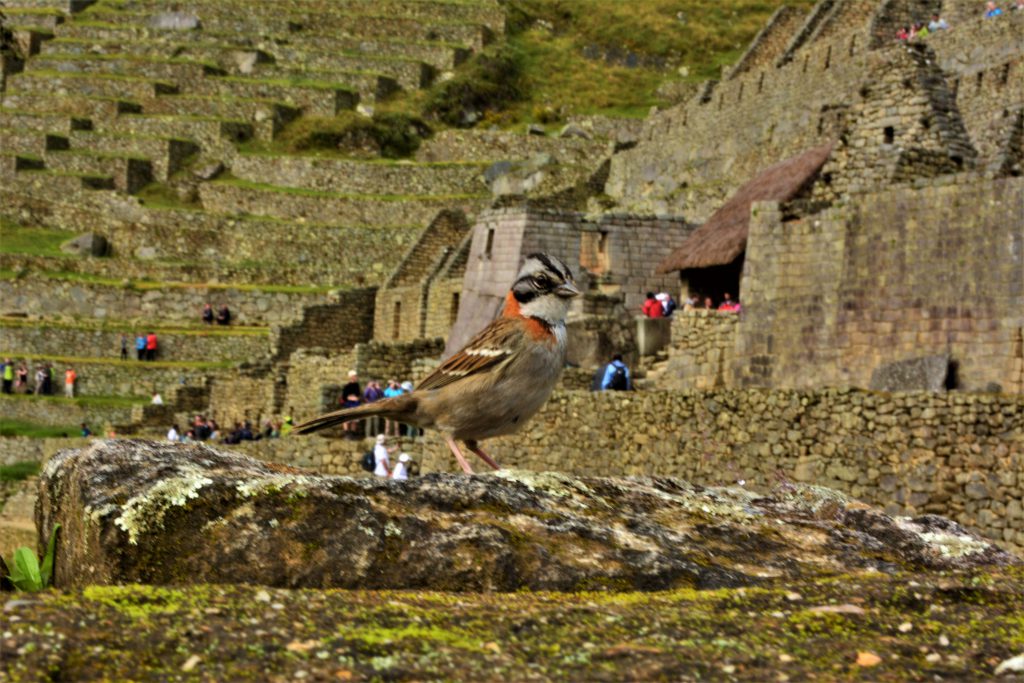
(619, 381)
(368, 462)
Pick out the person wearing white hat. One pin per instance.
(382, 465)
(401, 470)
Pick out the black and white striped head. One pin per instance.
(544, 288)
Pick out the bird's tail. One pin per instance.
(394, 408)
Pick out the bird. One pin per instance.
(499, 379)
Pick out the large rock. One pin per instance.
(927, 373)
(163, 513)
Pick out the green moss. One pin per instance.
(31, 241)
(18, 471)
(138, 601)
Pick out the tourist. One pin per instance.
(224, 315)
(69, 382)
(652, 307)
(616, 376)
(40, 378)
(691, 303)
(8, 375)
(189, 437)
(351, 395)
(381, 464)
(213, 430)
(728, 304)
(21, 379)
(287, 427)
(207, 314)
(151, 346)
(85, 431)
(373, 392)
(903, 34)
(47, 379)
(140, 346)
(939, 24)
(1018, 6)
(708, 304)
(173, 435)
(401, 471)
(668, 304)
(992, 10)
(392, 390)
(920, 30)
(157, 399)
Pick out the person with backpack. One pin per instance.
(616, 376)
(381, 462)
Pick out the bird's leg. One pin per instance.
(458, 454)
(473, 446)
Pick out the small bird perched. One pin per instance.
(499, 379)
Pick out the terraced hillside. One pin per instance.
(164, 134)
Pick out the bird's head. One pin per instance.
(544, 288)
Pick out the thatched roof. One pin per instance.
(724, 236)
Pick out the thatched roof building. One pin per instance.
(723, 237)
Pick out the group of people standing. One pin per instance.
(15, 379)
(403, 469)
(660, 305)
(352, 395)
(223, 316)
(146, 346)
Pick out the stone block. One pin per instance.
(89, 244)
(927, 373)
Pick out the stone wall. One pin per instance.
(337, 325)
(118, 378)
(24, 449)
(61, 412)
(169, 303)
(959, 455)
(701, 352)
(193, 345)
(829, 297)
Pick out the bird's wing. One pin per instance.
(492, 347)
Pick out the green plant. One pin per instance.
(26, 574)
(491, 81)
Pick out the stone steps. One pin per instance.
(195, 246)
(53, 104)
(64, 6)
(239, 197)
(51, 184)
(178, 71)
(472, 35)
(408, 73)
(166, 154)
(313, 97)
(41, 18)
(214, 135)
(263, 118)
(140, 40)
(370, 86)
(490, 13)
(223, 55)
(484, 145)
(69, 85)
(359, 177)
(130, 172)
(104, 341)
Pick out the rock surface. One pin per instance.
(171, 514)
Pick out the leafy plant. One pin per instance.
(26, 574)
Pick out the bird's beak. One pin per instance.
(567, 290)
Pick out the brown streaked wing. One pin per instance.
(493, 346)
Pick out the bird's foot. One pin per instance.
(458, 455)
(473, 446)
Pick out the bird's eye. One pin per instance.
(542, 280)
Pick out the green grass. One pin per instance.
(304, 192)
(84, 360)
(84, 401)
(36, 431)
(20, 471)
(89, 278)
(116, 327)
(19, 239)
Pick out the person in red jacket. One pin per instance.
(652, 307)
(151, 346)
